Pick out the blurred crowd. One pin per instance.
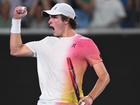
(90, 13)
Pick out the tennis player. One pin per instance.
(52, 53)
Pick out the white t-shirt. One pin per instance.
(54, 77)
(108, 13)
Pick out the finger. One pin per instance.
(82, 103)
(21, 11)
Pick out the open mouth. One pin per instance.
(51, 27)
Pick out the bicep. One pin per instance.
(24, 50)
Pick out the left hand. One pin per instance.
(87, 100)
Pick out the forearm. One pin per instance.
(15, 42)
(99, 86)
(15, 37)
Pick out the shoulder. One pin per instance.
(82, 37)
(83, 40)
(48, 39)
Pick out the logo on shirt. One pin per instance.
(74, 44)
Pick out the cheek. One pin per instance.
(60, 28)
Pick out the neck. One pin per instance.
(69, 32)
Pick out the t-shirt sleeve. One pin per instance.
(91, 52)
(37, 46)
(33, 47)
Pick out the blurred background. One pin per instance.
(113, 25)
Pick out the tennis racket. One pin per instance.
(73, 78)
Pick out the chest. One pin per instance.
(55, 50)
(58, 50)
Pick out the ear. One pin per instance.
(66, 21)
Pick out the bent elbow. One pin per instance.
(12, 53)
(107, 78)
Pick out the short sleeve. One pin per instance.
(91, 52)
(33, 47)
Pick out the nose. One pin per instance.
(49, 21)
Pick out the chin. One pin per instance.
(57, 35)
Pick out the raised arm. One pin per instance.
(17, 48)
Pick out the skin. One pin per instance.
(60, 29)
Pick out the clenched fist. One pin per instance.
(19, 12)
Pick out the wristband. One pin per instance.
(16, 26)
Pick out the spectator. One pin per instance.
(132, 8)
(37, 20)
(61, 1)
(108, 13)
(5, 20)
(27, 3)
(84, 10)
(47, 4)
(14, 3)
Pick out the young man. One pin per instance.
(54, 53)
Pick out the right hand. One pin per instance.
(86, 100)
(19, 12)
